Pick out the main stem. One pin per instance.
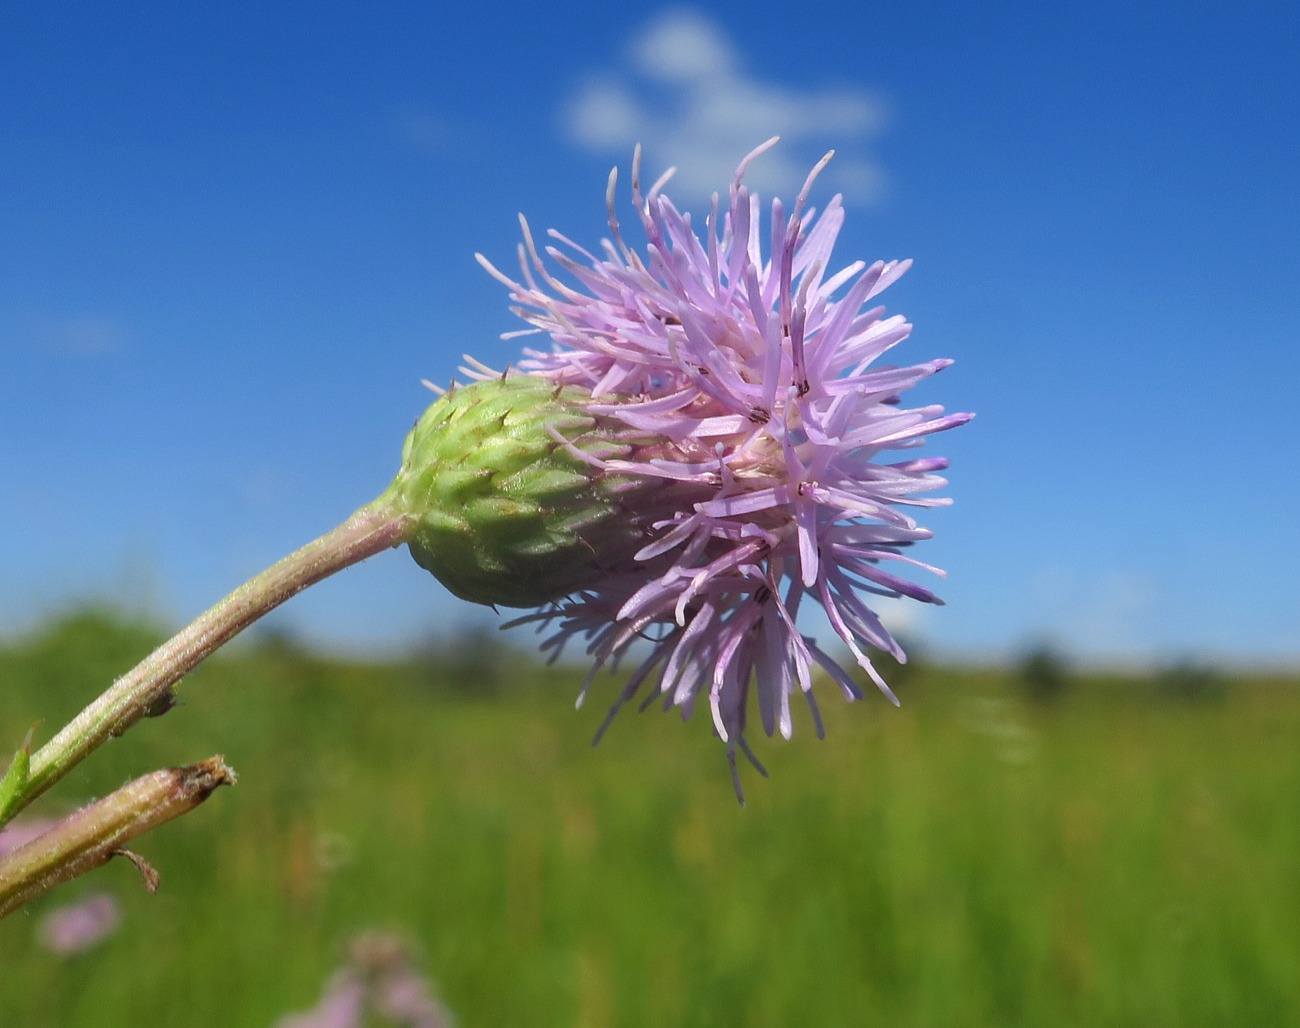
(145, 689)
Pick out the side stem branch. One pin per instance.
(146, 688)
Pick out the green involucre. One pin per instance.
(507, 515)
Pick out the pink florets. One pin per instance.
(763, 409)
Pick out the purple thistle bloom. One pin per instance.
(755, 390)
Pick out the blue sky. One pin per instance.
(233, 240)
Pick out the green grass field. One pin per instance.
(1115, 857)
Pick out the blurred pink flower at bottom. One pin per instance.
(79, 926)
(379, 985)
(342, 1006)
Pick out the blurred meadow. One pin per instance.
(1022, 847)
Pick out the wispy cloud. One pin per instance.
(905, 619)
(686, 95)
(426, 130)
(84, 337)
(1107, 612)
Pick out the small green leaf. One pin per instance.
(11, 786)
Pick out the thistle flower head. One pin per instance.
(755, 420)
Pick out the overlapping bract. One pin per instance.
(765, 409)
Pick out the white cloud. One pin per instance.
(684, 46)
(688, 99)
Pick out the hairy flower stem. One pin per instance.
(92, 836)
(146, 689)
